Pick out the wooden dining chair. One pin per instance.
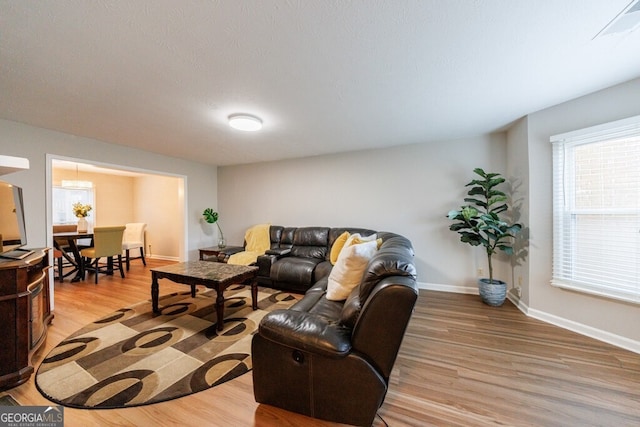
(62, 263)
(107, 242)
(62, 253)
(134, 239)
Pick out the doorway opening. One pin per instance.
(120, 195)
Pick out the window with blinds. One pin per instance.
(596, 210)
(63, 200)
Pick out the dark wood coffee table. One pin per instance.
(213, 275)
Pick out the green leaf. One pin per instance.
(496, 199)
(454, 214)
(471, 238)
(476, 202)
(498, 209)
(514, 229)
(475, 191)
(469, 212)
(458, 226)
(210, 216)
(480, 172)
(495, 181)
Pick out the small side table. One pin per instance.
(215, 251)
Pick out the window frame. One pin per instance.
(566, 215)
(70, 219)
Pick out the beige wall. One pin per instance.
(153, 199)
(157, 202)
(407, 189)
(114, 196)
(35, 144)
(603, 318)
(518, 176)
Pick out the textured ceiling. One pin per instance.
(325, 76)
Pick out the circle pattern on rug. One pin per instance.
(135, 357)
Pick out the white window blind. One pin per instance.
(596, 210)
(63, 200)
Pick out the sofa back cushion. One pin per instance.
(275, 235)
(310, 242)
(286, 241)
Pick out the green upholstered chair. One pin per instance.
(107, 243)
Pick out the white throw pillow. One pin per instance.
(349, 268)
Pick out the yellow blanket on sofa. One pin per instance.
(257, 239)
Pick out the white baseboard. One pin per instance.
(589, 331)
(448, 288)
(166, 258)
(598, 334)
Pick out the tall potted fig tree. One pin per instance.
(479, 223)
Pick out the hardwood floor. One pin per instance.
(462, 363)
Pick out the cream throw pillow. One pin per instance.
(349, 268)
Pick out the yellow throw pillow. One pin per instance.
(337, 247)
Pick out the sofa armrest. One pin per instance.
(306, 332)
(230, 250)
(264, 263)
(225, 253)
(278, 251)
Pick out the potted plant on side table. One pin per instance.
(212, 218)
(479, 223)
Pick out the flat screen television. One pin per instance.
(13, 233)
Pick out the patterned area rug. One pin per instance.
(133, 357)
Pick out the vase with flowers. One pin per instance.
(81, 212)
(212, 218)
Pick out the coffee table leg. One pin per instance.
(220, 309)
(155, 292)
(254, 294)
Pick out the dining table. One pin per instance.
(72, 252)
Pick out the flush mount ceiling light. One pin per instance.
(245, 122)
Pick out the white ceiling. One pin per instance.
(325, 76)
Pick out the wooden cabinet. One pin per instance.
(25, 313)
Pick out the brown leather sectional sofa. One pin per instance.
(332, 359)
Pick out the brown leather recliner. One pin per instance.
(332, 359)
